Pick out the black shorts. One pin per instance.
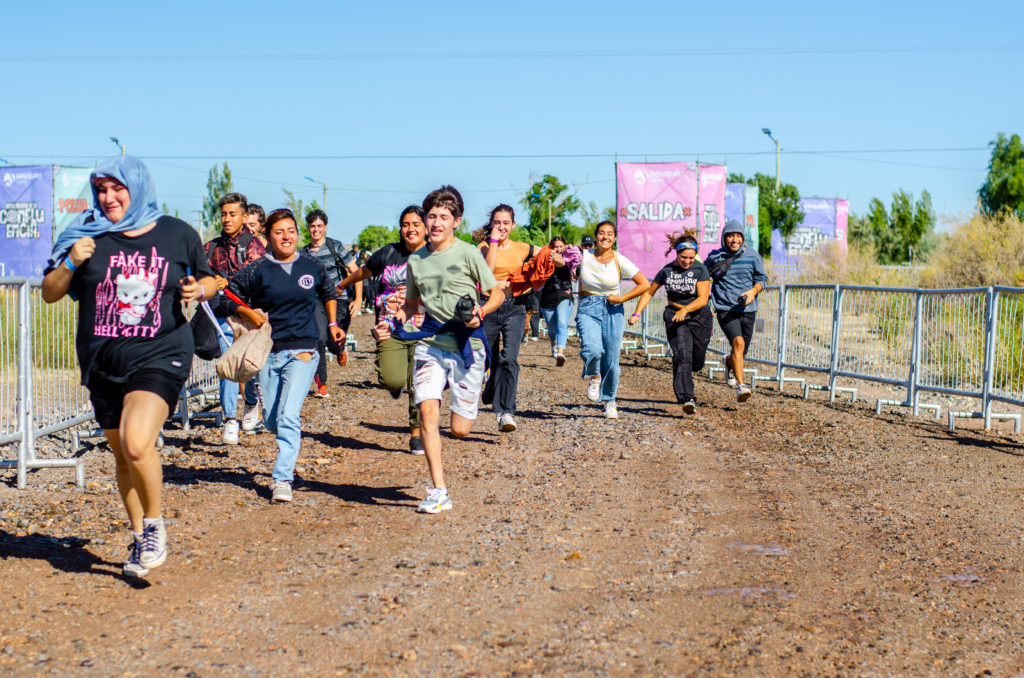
(108, 396)
(737, 325)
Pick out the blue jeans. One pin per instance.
(558, 331)
(228, 388)
(285, 381)
(600, 326)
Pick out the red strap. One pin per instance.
(234, 297)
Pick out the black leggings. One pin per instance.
(689, 341)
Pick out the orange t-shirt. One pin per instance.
(511, 260)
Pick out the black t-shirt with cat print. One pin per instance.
(129, 301)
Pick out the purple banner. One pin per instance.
(26, 220)
(820, 225)
(712, 207)
(741, 205)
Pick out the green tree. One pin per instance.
(374, 237)
(299, 209)
(775, 209)
(218, 183)
(900, 234)
(1004, 185)
(563, 206)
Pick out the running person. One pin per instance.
(130, 267)
(599, 318)
(688, 321)
(506, 326)
(739, 276)
(389, 265)
(288, 287)
(338, 261)
(255, 219)
(446, 276)
(235, 247)
(556, 301)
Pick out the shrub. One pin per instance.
(987, 250)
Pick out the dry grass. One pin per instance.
(981, 252)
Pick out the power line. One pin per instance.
(503, 55)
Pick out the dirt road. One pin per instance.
(778, 537)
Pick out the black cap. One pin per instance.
(587, 240)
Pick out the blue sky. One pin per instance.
(272, 88)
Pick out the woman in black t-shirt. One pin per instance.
(556, 302)
(687, 316)
(388, 267)
(129, 267)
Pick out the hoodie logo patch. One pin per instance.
(306, 282)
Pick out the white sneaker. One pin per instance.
(153, 545)
(610, 411)
(229, 436)
(594, 389)
(281, 491)
(743, 393)
(437, 500)
(251, 417)
(729, 377)
(506, 422)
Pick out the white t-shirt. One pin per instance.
(603, 279)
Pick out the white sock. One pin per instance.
(146, 522)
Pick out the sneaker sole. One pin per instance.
(139, 573)
(743, 397)
(281, 500)
(437, 509)
(689, 408)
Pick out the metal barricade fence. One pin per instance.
(12, 328)
(1005, 355)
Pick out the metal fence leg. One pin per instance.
(987, 374)
(780, 356)
(24, 385)
(837, 314)
(915, 355)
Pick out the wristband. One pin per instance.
(332, 324)
(493, 241)
(71, 267)
(635, 315)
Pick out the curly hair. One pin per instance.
(688, 236)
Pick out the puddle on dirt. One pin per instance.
(749, 592)
(761, 549)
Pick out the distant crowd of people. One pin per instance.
(448, 316)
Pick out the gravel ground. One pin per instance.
(777, 537)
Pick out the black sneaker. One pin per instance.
(416, 446)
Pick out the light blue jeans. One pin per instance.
(285, 381)
(600, 326)
(228, 388)
(557, 320)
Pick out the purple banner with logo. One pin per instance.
(26, 220)
(825, 219)
(741, 205)
(658, 199)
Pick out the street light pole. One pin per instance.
(118, 144)
(324, 186)
(777, 161)
(538, 195)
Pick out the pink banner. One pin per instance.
(712, 207)
(842, 222)
(654, 200)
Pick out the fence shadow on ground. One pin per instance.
(67, 554)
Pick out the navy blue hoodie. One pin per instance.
(734, 274)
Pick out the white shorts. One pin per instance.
(435, 368)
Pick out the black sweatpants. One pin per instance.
(689, 341)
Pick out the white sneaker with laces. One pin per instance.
(743, 393)
(506, 422)
(132, 567)
(153, 545)
(229, 435)
(610, 410)
(281, 491)
(251, 417)
(594, 389)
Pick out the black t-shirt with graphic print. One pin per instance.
(129, 301)
(681, 284)
(389, 266)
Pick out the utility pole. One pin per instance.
(777, 158)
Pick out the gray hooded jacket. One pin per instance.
(734, 274)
